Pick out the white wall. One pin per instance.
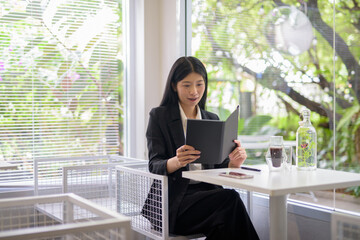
(153, 46)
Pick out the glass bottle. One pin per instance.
(306, 144)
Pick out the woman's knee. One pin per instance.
(234, 199)
(232, 193)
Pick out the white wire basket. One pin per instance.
(61, 216)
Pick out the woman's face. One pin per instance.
(190, 90)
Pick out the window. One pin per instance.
(61, 80)
(273, 76)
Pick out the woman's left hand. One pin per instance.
(237, 156)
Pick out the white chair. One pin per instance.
(259, 141)
(254, 141)
(60, 216)
(96, 182)
(133, 186)
(48, 171)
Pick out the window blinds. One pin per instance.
(60, 78)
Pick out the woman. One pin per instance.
(194, 207)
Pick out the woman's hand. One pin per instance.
(237, 156)
(184, 155)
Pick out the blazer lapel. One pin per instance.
(175, 126)
(204, 114)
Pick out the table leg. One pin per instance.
(278, 217)
(250, 204)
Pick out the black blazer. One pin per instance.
(164, 135)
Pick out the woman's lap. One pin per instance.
(213, 211)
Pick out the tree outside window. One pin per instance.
(249, 63)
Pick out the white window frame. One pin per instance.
(156, 38)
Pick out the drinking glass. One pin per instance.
(289, 157)
(276, 156)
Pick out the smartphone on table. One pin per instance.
(236, 175)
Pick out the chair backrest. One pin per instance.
(126, 160)
(259, 141)
(133, 186)
(254, 141)
(95, 182)
(48, 171)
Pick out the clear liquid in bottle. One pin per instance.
(306, 144)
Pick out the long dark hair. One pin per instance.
(180, 69)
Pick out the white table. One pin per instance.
(277, 185)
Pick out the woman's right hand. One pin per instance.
(184, 155)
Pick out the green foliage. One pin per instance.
(257, 125)
(287, 125)
(242, 22)
(348, 116)
(232, 44)
(354, 191)
(52, 68)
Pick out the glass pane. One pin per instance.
(275, 60)
(61, 78)
(347, 92)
